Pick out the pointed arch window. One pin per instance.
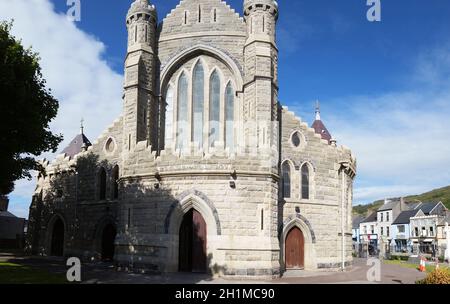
(229, 117)
(182, 112)
(305, 181)
(198, 103)
(214, 109)
(286, 171)
(115, 182)
(168, 129)
(102, 183)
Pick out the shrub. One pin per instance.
(399, 258)
(438, 276)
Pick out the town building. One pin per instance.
(11, 227)
(424, 227)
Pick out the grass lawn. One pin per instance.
(429, 268)
(11, 273)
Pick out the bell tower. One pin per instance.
(140, 101)
(261, 73)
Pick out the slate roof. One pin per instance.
(370, 218)
(6, 214)
(356, 221)
(428, 207)
(320, 128)
(76, 145)
(414, 206)
(403, 217)
(388, 206)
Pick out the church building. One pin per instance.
(204, 171)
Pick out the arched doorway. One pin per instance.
(57, 244)
(108, 238)
(192, 247)
(295, 249)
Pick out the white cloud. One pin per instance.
(73, 66)
(401, 138)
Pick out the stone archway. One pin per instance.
(107, 243)
(197, 203)
(104, 238)
(57, 237)
(297, 235)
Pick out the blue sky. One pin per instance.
(384, 87)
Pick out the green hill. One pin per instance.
(442, 194)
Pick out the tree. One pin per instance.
(26, 109)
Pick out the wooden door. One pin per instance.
(192, 247)
(199, 243)
(294, 249)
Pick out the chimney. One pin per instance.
(4, 201)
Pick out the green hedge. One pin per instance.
(399, 258)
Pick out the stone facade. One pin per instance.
(219, 150)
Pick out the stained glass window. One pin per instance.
(214, 109)
(198, 102)
(182, 112)
(305, 182)
(169, 117)
(229, 117)
(286, 168)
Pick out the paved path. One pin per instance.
(102, 273)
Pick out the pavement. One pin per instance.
(105, 273)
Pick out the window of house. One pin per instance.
(416, 231)
(401, 228)
(182, 112)
(424, 231)
(229, 117)
(286, 168)
(387, 216)
(365, 229)
(214, 109)
(382, 230)
(381, 217)
(198, 104)
(431, 231)
(372, 229)
(305, 181)
(387, 232)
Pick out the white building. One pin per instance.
(424, 227)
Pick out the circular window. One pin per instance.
(110, 145)
(296, 139)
